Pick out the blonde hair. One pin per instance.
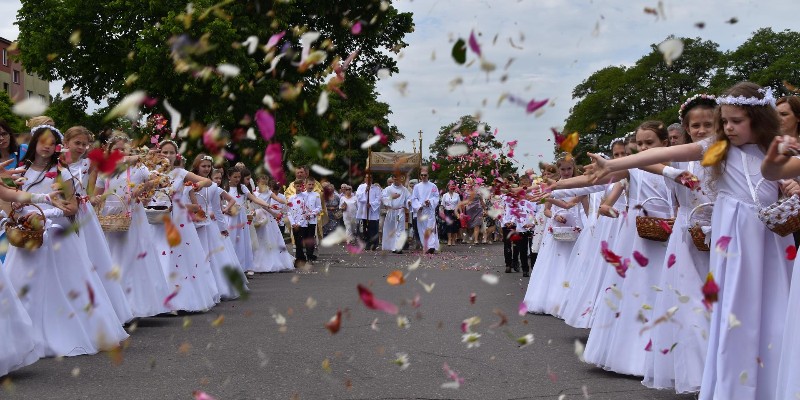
(40, 120)
(76, 131)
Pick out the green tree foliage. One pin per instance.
(69, 112)
(484, 157)
(14, 121)
(768, 58)
(172, 50)
(615, 99)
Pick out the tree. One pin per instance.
(615, 99)
(483, 157)
(767, 58)
(14, 121)
(184, 54)
(68, 112)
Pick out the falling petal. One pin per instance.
(671, 49)
(710, 291)
(173, 234)
(128, 107)
(458, 149)
(733, 322)
(522, 309)
(273, 40)
(491, 279)
(320, 170)
(649, 346)
(251, 43)
(396, 278)
(473, 44)
(579, 348)
(670, 260)
(791, 253)
(534, 105)
(218, 322)
(339, 235)
(428, 288)
(715, 153)
(174, 118)
(371, 141)
(170, 297)
(374, 303)
(228, 70)
(30, 107)
(335, 323)
(322, 103)
(266, 124)
(640, 258)
(200, 395)
(356, 29)
(459, 52)
(415, 264)
(722, 244)
(273, 160)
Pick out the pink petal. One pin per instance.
(649, 346)
(473, 43)
(356, 29)
(273, 160)
(266, 124)
(722, 243)
(523, 309)
(384, 138)
(534, 105)
(670, 260)
(273, 40)
(375, 303)
(640, 258)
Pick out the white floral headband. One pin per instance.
(750, 101)
(694, 100)
(51, 127)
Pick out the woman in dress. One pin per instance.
(331, 202)
(134, 249)
(206, 208)
(56, 283)
(182, 256)
(474, 208)
(349, 206)
(449, 203)
(9, 150)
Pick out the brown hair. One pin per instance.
(199, 159)
(794, 104)
(76, 131)
(764, 122)
(656, 127)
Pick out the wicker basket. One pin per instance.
(651, 228)
(783, 216)
(155, 214)
(696, 230)
(200, 218)
(24, 237)
(115, 222)
(565, 233)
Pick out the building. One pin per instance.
(18, 83)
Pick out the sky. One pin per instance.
(554, 44)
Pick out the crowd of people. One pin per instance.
(675, 251)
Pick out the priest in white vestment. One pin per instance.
(425, 200)
(395, 198)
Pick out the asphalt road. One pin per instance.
(275, 345)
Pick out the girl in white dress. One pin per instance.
(679, 345)
(185, 265)
(134, 250)
(749, 268)
(237, 223)
(77, 140)
(547, 276)
(349, 207)
(71, 312)
(271, 255)
(216, 243)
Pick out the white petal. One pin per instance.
(251, 43)
(174, 116)
(322, 103)
(228, 70)
(129, 106)
(269, 101)
(251, 134)
(384, 73)
(30, 107)
(320, 170)
(491, 279)
(415, 264)
(458, 149)
(339, 235)
(371, 141)
(579, 348)
(671, 49)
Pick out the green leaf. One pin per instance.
(460, 51)
(308, 145)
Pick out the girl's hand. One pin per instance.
(598, 169)
(560, 219)
(781, 150)
(608, 211)
(790, 187)
(225, 233)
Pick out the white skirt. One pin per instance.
(575, 268)
(135, 252)
(240, 236)
(680, 343)
(188, 272)
(753, 279)
(219, 252)
(20, 345)
(91, 233)
(547, 276)
(272, 255)
(70, 311)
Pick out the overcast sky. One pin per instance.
(556, 45)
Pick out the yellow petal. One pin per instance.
(715, 153)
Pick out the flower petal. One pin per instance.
(266, 124)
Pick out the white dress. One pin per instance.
(615, 342)
(186, 266)
(218, 247)
(547, 277)
(20, 345)
(134, 250)
(587, 274)
(240, 229)
(753, 279)
(91, 233)
(70, 311)
(271, 255)
(574, 268)
(349, 217)
(679, 345)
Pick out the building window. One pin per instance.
(30, 94)
(43, 99)
(5, 57)
(16, 76)
(5, 87)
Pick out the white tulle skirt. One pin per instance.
(240, 236)
(547, 277)
(185, 267)
(219, 250)
(64, 297)
(20, 345)
(91, 233)
(271, 254)
(143, 279)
